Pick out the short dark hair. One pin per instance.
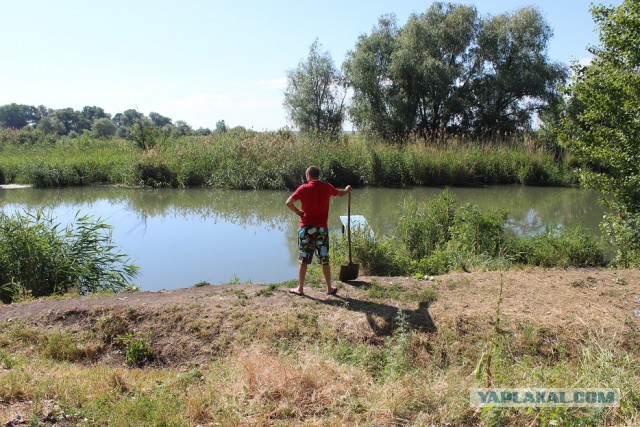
(313, 172)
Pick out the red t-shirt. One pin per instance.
(315, 196)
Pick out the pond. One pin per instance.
(181, 237)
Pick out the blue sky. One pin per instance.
(203, 61)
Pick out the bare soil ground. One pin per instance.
(190, 326)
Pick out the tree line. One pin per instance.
(130, 124)
(447, 70)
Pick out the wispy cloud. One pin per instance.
(278, 83)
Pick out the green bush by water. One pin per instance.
(439, 236)
(39, 258)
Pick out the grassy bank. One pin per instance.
(385, 352)
(274, 160)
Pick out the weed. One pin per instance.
(201, 284)
(267, 291)
(62, 346)
(109, 328)
(137, 351)
(6, 360)
(241, 296)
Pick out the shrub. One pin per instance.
(478, 232)
(138, 351)
(437, 236)
(557, 247)
(424, 228)
(41, 258)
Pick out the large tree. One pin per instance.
(314, 98)
(602, 126)
(433, 64)
(517, 78)
(377, 104)
(448, 70)
(17, 116)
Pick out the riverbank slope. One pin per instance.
(384, 351)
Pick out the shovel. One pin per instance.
(349, 271)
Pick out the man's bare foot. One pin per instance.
(332, 291)
(296, 291)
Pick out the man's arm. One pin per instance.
(290, 204)
(344, 191)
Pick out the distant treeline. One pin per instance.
(67, 121)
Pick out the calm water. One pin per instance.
(182, 237)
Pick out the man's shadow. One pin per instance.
(387, 316)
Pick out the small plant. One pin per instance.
(397, 352)
(267, 291)
(6, 360)
(111, 328)
(138, 351)
(62, 346)
(201, 284)
(486, 358)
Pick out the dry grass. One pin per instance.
(364, 358)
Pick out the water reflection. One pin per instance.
(181, 237)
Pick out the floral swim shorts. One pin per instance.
(312, 239)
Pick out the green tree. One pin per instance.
(93, 113)
(183, 128)
(221, 126)
(315, 94)
(376, 100)
(103, 128)
(517, 78)
(603, 129)
(135, 126)
(433, 63)
(71, 119)
(17, 116)
(448, 70)
(51, 125)
(159, 120)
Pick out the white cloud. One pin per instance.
(277, 83)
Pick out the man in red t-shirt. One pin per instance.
(313, 236)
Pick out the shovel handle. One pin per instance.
(349, 225)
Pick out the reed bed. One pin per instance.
(275, 160)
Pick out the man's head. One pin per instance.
(313, 173)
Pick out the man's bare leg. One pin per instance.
(302, 273)
(326, 271)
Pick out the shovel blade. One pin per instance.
(349, 272)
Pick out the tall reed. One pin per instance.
(272, 160)
(39, 258)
